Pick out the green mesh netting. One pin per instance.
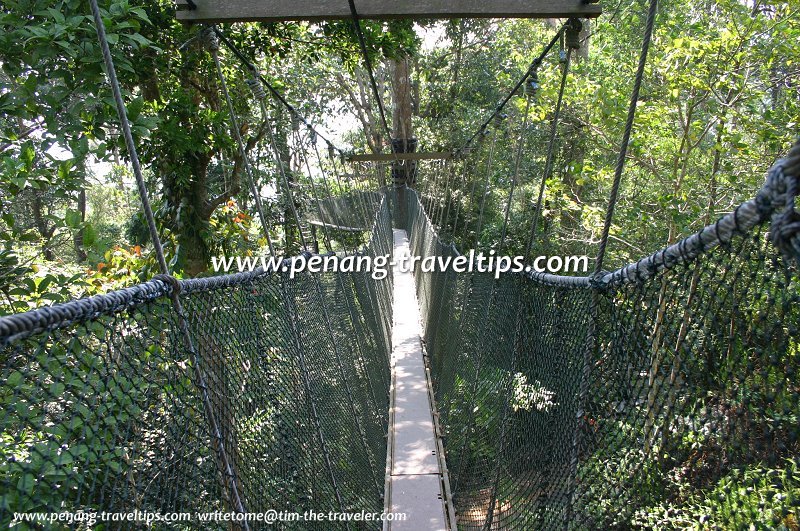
(101, 405)
(668, 402)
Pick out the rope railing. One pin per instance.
(614, 400)
(773, 201)
(681, 337)
(100, 410)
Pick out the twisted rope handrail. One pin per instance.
(774, 201)
(22, 325)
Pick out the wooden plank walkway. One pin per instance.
(414, 475)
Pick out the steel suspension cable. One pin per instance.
(435, 191)
(448, 194)
(440, 202)
(214, 49)
(458, 204)
(340, 281)
(327, 319)
(250, 66)
(325, 181)
(470, 200)
(515, 176)
(626, 135)
(285, 180)
(532, 68)
(572, 38)
(548, 165)
(592, 324)
(304, 161)
(227, 472)
(363, 45)
(489, 170)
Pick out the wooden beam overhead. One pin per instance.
(388, 157)
(213, 11)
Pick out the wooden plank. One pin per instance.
(388, 157)
(415, 484)
(416, 496)
(213, 11)
(337, 227)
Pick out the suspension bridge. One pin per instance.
(528, 401)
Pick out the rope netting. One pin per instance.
(661, 394)
(337, 213)
(102, 407)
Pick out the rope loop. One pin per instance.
(599, 280)
(785, 224)
(573, 33)
(208, 39)
(256, 88)
(170, 281)
(532, 86)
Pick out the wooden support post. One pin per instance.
(390, 157)
(404, 172)
(213, 11)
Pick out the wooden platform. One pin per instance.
(214, 11)
(415, 478)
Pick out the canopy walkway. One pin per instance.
(545, 384)
(524, 401)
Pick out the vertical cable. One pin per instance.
(285, 180)
(515, 176)
(363, 44)
(489, 169)
(594, 302)
(548, 165)
(219, 446)
(248, 170)
(458, 205)
(626, 135)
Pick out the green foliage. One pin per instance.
(67, 391)
(715, 112)
(620, 480)
(750, 494)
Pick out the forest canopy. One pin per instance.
(720, 102)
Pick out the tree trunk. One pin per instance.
(582, 53)
(401, 95)
(77, 239)
(193, 250)
(403, 172)
(41, 226)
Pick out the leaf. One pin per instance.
(64, 170)
(26, 483)
(141, 40)
(139, 12)
(89, 235)
(72, 219)
(44, 282)
(14, 379)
